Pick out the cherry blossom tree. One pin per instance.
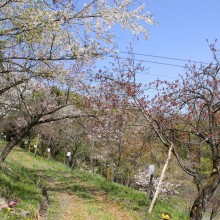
(40, 33)
(114, 138)
(184, 115)
(61, 137)
(50, 41)
(34, 103)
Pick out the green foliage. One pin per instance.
(17, 183)
(55, 90)
(205, 165)
(38, 94)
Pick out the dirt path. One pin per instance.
(77, 200)
(74, 208)
(72, 198)
(85, 207)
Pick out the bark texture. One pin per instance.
(204, 196)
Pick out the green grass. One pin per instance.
(53, 210)
(22, 171)
(17, 183)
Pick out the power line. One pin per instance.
(154, 62)
(142, 72)
(151, 74)
(165, 57)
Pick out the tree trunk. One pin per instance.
(8, 148)
(204, 196)
(14, 142)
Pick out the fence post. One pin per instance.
(49, 154)
(35, 150)
(149, 190)
(108, 174)
(68, 159)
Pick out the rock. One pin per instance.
(20, 212)
(3, 204)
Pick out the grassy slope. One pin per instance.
(73, 194)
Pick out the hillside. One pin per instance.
(49, 190)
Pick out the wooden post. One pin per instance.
(35, 146)
(149, 190)
(35, 150)
(161, 179)
(49, 155)
(108, 174)
(68, 159)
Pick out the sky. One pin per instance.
(184, 26)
